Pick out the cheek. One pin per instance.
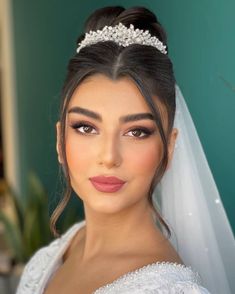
(144, 159)
(78, 153)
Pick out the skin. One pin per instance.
(118, 224)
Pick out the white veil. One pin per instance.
(190, 204)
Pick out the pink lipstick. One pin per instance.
(107, 184)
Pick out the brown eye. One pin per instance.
(83, 128)
(140, 133)
(87, 129)
(137, 133)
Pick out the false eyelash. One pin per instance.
(77, 125)
(148, 132)
(144, 130)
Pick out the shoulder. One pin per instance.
(182, 279)
(162, 277)
(43, 261)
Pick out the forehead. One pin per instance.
(99, 89)
(100, 93)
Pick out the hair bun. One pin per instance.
(139, 16)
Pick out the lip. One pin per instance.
(108, 184)
(107, 180)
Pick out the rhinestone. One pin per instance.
(123, 36)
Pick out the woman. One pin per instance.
(115, 141)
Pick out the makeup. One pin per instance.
(107, 184)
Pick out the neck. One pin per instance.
(113, 234)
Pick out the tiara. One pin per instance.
(123, 36)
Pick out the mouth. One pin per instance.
(107, 184)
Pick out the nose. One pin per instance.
(110, 152)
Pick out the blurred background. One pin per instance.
(37, 38)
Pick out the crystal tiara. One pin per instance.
(123, 36)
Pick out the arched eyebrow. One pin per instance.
(122, 119)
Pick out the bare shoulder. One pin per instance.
(165, 251)
(169, 254)
(159, 248)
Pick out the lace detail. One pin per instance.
(44, 263)
(35, 268)
(157, 277)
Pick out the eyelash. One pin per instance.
(78, 125)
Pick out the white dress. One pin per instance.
(158, 277)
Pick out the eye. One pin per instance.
(141, 132)
(83, 128)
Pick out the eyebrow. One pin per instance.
(123, 119)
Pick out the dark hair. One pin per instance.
(149, 69)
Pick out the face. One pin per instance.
(110, 132)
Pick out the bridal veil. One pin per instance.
(190, 204)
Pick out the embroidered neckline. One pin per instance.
(72, 231)
(157, 265)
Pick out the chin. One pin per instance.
(109, 205)
(104, 207)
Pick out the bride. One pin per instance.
(128, 149)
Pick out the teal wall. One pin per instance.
(201, 46)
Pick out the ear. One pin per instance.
(171, 145)
(58, 142)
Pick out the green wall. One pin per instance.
(201, 47)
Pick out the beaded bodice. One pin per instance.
(158, 277)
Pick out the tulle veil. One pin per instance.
(190, 204)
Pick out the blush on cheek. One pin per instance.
(145, 160)
(80, 156)
(76, 148)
